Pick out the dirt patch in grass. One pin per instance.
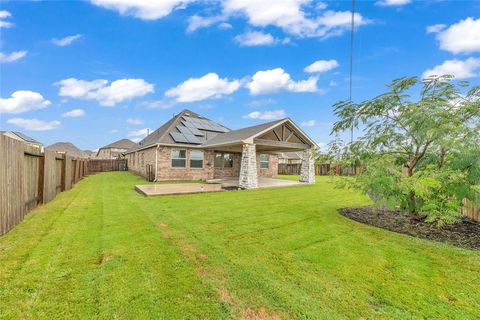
(163, 225)
(464, 234)
(260, 314)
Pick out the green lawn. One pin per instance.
(101, 250)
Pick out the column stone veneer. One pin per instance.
(248, 168)
(307, 171)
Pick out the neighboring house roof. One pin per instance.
(22, 136)
(189, 128)
(68, 148)
(120, 144)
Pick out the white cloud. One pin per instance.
(274, 80)
(461, 37)
(309, 123)
(197, 89)
(140, 133)
(158, 104)
(34, 124)
(436, 28)
(391, 3)
(255, 38)
(135, 121)
(74, 113)
(12, 57)
(197, 22)
(262, 102)
(266, 115)
(461, 69)
(113, 131)
(4, 14)
(22, 101)
(288, 15)
(225, 25)
(320, 66)
(143, 9)
(67, 40)
(99, 90)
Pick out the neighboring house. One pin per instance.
(90, 154)
(22, 137)
(290, 158)
(191, 147)
(115, 150)
(67, 148)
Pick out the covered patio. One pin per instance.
(269, 138)
(229, 183)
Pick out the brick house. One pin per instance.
(115, 150)
(191, 147)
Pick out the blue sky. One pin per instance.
(92, 72)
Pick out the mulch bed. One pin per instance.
(465, 233)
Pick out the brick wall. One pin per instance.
(166, 172)
(272, 170)
(138, 161)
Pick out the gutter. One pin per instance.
(156, 162)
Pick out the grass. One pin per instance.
(101, 250)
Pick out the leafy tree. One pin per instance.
(420, 154)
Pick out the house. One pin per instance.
(22, 137)
(290, 158)
(192, 147)
(90, 154)
(115, 150)
(67, 148)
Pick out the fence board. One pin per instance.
(68, 173)
(50, 176)
(104, 165)
(12, 204)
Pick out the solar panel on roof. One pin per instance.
(184, 130)
(192, 139)
(178, 137)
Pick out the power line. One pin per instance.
(352, 34)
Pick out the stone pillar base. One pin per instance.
(307, 171)
(248, 169)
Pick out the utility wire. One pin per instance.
(352, 34)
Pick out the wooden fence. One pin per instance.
(102, 165)
(29, 177)
(471, 211)
(320, 169)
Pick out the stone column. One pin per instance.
(248, 168)
(307, 171)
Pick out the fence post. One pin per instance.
(41, 178)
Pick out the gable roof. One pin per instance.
(241, 134)
(120, 144)
(67, 148)
(163, 135)
(170, 133)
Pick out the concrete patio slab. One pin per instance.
(262, 182)
(177, 188)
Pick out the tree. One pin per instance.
(422, 155)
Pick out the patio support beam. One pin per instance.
(307, 170)
(248, 169)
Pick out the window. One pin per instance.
(179, 158)
(218, 160)
(196, 159)
(264, 161)
(227, 160)
(223, 160)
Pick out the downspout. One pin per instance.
(156, 162)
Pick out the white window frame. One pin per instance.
(265, 161)
(172, 158)
(190, 158)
